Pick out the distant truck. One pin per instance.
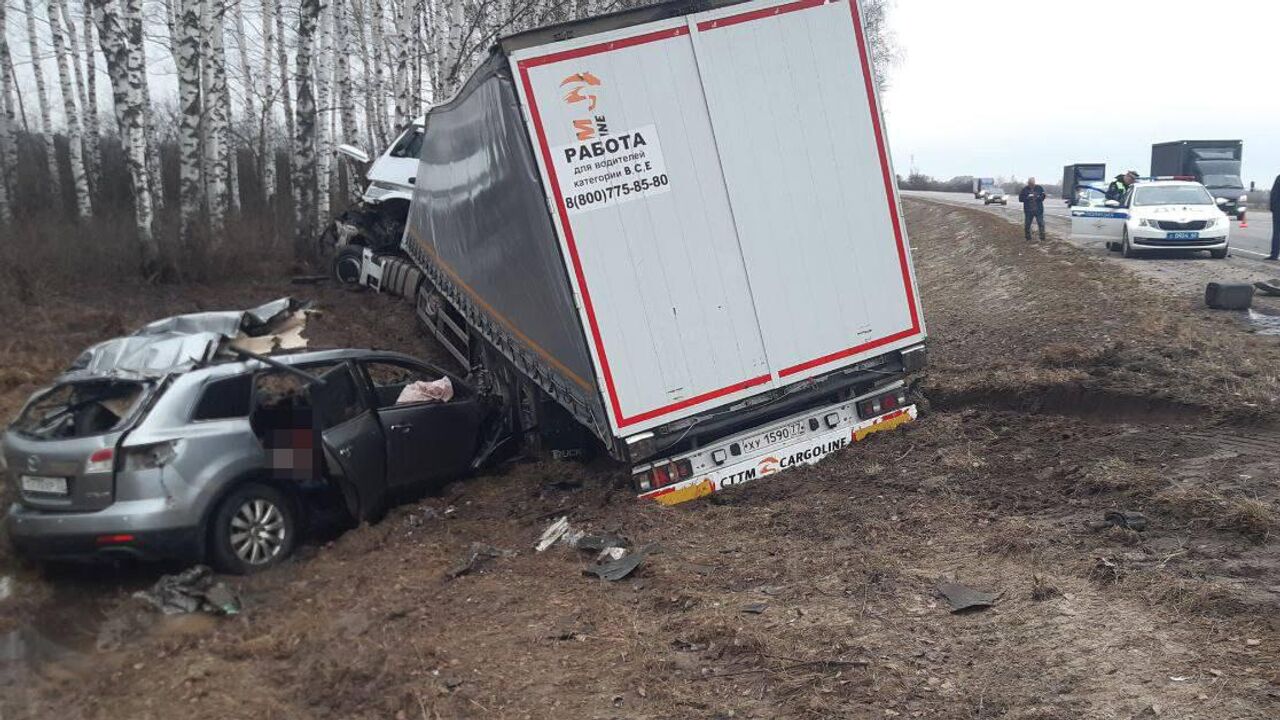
(1076, 177)
(1212, 163)
(599, 230)
(981, 186)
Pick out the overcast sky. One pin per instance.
(1027, 87)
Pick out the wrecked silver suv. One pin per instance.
(215, 436)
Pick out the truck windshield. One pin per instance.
(1088, 174)
(80, 409)
(409, 145)
(1172, 195)
(1220, 173)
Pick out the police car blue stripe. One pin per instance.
(1092, 214)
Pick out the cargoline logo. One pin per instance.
(768, 466)
(583, 88)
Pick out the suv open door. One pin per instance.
(354, 446)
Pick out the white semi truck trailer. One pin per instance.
(674, 232)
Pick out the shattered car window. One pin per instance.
(409, 145)
(80, 409)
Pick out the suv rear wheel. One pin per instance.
(254, 528)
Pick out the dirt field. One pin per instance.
(1059, 390)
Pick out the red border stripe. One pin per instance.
(759, 14)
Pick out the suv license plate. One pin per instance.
(1184, 236)
(47, 485)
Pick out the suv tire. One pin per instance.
(254, 528)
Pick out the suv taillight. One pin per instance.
(880, 404)
(664, 474)
(101, 461)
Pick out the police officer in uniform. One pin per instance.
(1121, 185)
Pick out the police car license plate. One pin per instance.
(1184, 236)
(46, 485)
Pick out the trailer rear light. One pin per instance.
(880, 404)
(666, 474)
(101, 461)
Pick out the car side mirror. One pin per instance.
(1112, 203)
(355, 153)
(1221, 201)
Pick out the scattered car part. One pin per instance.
(962, 597)
(614, 570)
(477, 554)
(1129, 520)
(192, 590)
(1228, 296)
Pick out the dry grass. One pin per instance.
(1115, 475)
(1249, 517)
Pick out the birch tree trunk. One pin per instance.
(324, 139)
(403, 75)
(283, 61)
(89, 139)
(266, 151)
(8, 156)
(42, 102)
(127, 91)
(360, 19)
(187, 58)
(346, 91)
(304, 173)
(138, 76)
(216, 114)
(75, 138)
(249, 111)
(93, 127)
(379, 83)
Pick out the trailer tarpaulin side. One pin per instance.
(479, 217)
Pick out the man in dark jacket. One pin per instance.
(1032, 197)
(1275, 226)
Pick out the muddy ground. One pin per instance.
(1059, 389)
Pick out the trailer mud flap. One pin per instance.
(775, 460)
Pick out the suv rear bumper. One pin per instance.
(153, 533)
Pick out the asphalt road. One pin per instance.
(1252, 241)
(1184, 270)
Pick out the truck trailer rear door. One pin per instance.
(722, 192)
(794, 110)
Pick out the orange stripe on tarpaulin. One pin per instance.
(475, 296)
(593, 323)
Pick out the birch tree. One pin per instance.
(266, 152)
(324, 135)
(246, 77)
(75, 138)
(137, 58)
(215, 112)
(345, 88)
(8, 156)
(304, 151)
(93, 128)
(126, 90)
(282, 58)
(187, 58)
(42, 103)
(89, 139)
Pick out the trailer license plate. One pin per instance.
(773, 437)
(46, 485)
(1184, 236)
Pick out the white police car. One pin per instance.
(1158, 214)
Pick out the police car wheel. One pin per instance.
(1126, 248)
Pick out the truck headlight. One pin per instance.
(1243, 199)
